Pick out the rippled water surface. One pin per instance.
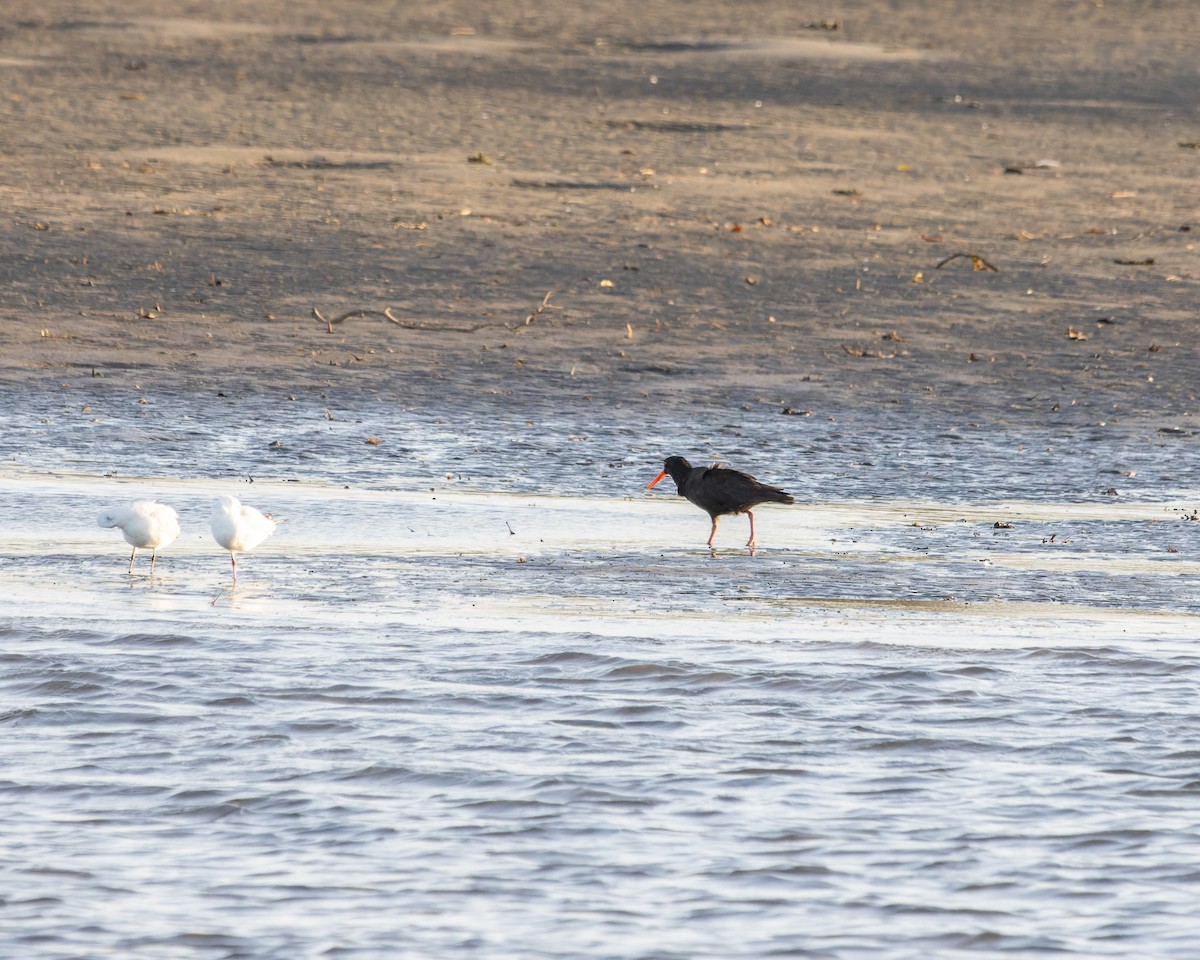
(479, 699)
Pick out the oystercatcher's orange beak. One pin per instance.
(656, 479)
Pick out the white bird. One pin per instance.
(239, 528)
(144, 523)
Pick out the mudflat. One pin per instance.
(934, 205)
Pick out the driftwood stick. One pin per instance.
(541, 308)
(387, 314)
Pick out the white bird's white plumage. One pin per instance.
(239, 528)
(145, 523)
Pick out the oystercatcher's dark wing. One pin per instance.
(719, 490)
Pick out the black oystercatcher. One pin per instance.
(719, 490)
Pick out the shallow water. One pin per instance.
(520, 711)
(554, 438)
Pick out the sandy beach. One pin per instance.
(990, 212)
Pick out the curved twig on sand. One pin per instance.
(385, 313)
(977, 262)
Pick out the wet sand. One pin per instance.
(715, 210)
(905, 573)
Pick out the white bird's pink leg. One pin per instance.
(131, 556)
